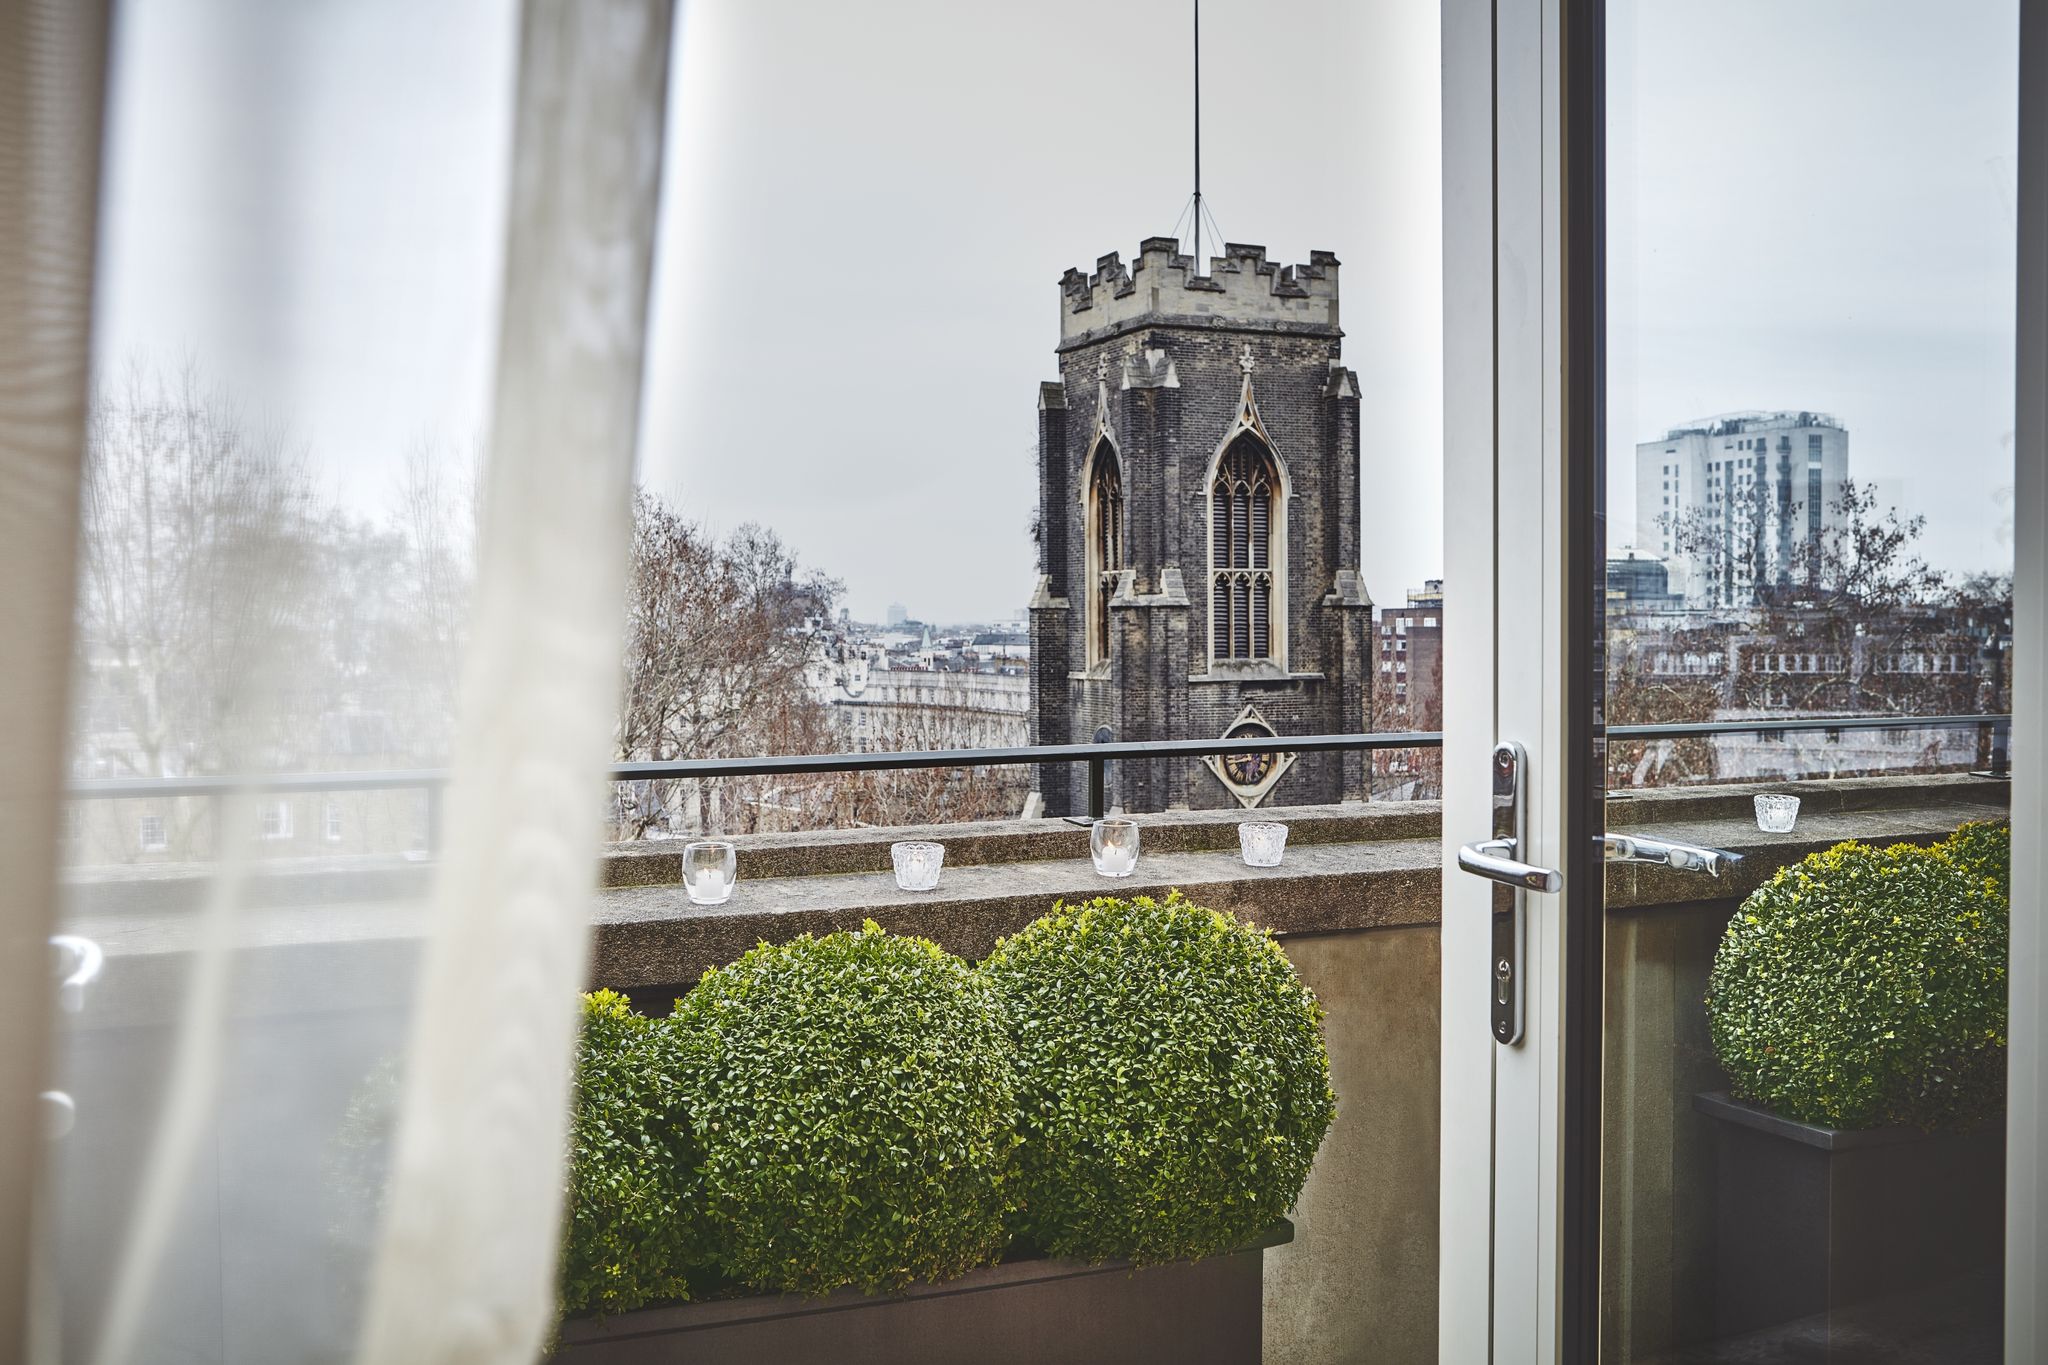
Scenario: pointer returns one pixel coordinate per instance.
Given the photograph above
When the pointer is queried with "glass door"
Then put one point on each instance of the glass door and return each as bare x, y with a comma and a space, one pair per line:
1738, 483
1806, 629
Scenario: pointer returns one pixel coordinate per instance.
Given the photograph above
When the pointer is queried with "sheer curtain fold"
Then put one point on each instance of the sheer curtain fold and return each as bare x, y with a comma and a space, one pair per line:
465, 1270
52, 72
321, 1090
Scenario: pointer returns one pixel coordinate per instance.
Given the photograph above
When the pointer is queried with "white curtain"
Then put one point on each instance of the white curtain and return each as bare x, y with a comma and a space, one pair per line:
353, 468
51, 68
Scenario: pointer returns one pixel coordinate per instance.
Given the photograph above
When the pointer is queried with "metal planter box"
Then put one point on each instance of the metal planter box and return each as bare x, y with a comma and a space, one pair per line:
1203, 1312
1810, 1221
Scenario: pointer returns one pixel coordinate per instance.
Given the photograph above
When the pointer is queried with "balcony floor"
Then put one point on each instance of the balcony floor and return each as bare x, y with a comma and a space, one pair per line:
1955, 1323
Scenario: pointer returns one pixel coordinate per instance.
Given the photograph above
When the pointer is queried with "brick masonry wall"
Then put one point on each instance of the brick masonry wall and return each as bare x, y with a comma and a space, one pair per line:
1168, 393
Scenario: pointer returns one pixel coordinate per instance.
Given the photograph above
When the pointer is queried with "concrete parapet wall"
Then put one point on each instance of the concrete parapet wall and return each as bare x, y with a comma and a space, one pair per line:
1356, 904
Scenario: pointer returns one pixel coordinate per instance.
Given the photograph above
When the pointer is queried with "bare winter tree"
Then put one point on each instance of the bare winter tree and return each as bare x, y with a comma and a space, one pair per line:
233, 620
1730, 547
1411, 774
1867, 558
433, 513
719, 634
1860, 624
1849, 635
1671, 678
1428, 764
1981, 607
947, 713
197, 559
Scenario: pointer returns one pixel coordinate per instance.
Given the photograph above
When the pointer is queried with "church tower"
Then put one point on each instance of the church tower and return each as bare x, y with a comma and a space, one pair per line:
1198, 529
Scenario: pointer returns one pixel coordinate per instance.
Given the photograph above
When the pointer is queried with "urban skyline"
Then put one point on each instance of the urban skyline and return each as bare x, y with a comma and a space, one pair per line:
1877, 289
677, 662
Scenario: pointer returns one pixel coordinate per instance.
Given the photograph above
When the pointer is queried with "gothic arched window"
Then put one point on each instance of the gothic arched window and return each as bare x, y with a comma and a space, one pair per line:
1242, 556
1105, 547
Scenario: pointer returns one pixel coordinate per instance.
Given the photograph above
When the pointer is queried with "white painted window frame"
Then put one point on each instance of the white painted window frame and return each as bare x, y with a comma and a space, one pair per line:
2026, 1189
1501, 1154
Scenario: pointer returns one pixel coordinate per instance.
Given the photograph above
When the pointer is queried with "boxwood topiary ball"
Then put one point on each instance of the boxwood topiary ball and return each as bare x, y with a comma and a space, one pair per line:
1983, 848
1172, 1080
1865, 987
857, 1113
631, 1235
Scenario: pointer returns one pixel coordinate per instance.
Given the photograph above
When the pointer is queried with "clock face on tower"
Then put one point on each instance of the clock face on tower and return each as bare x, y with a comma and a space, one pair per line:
1250, 776
1247, 770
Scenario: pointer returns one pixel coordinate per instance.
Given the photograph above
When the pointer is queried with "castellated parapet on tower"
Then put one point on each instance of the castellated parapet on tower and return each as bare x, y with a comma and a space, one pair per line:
1242, 289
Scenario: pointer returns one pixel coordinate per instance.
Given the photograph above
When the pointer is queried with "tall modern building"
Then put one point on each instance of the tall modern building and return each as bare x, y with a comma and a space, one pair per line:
1742, 501
1199, 528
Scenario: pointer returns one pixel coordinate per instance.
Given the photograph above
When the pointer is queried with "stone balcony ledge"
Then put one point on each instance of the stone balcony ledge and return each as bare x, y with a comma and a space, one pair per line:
1348, 868
990, 842
652, 935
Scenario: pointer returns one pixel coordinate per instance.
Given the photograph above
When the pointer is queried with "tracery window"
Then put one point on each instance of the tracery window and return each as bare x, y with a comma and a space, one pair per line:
1105, 548
1241, 551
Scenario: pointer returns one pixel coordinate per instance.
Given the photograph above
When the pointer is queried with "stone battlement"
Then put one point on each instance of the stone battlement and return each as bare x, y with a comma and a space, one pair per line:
1241, 288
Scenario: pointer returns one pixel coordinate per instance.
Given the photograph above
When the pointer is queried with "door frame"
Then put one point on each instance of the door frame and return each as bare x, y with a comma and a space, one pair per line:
2026, 1188
1465, 1153
1523, 182
1524, 374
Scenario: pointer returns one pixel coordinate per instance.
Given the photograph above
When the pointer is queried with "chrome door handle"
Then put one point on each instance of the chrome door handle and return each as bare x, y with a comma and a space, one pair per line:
60, 1114
1494, 860
85, 960
1632, 848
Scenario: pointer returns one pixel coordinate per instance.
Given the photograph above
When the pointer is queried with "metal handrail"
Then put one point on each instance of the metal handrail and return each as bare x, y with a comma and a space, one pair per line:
256, 784
1696, 729
1028, 754
1096, 756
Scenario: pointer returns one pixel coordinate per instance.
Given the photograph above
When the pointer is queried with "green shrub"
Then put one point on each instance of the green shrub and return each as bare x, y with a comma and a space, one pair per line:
1983, 848
1172, 1081
857, 1113
631, 1236
1865, 987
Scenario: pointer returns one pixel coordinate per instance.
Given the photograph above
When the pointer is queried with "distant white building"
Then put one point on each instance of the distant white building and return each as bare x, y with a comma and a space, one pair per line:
1001, 646
934, 709
898, 613
839, 665
1748, 756
1767, 484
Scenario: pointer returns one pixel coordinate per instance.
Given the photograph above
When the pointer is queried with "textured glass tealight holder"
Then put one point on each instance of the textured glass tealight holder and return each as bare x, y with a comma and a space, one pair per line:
709, 870
1776, 812
917, 864
1262, 842
1113, 843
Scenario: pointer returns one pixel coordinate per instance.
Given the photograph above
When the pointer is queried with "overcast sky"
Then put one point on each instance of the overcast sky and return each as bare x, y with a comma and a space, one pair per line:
1811, 207
869, 207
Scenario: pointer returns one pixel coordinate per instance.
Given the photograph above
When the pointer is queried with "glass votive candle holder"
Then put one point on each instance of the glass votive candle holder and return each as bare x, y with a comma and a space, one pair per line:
1113, 844
1262, 842
1776, 812
917, 864
709, 870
